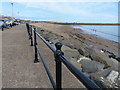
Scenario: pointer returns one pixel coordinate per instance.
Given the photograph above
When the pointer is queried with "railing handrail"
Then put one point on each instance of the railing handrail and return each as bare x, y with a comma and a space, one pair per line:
46, 42
60, 58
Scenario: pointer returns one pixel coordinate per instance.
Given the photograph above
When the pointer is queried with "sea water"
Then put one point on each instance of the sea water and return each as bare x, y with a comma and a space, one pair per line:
110, 32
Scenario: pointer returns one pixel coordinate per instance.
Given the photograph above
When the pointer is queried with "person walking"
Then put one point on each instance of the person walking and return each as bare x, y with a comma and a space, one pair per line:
2, 28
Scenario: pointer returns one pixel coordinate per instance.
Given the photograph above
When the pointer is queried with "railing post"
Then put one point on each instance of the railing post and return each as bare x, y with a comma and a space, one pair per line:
58, 65
28, 29
31, 35
35, 45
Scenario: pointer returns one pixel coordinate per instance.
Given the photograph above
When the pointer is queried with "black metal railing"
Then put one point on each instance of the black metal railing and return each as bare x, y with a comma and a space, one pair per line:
59, 59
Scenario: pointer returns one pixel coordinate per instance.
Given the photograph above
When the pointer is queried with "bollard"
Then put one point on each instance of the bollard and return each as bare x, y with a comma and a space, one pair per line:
35, 45
29, 31
58, 53
31, 36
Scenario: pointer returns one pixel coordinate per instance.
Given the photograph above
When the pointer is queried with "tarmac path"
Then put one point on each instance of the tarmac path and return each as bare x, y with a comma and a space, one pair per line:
18, 69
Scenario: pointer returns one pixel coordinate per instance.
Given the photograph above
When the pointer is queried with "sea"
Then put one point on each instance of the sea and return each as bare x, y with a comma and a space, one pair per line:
110, 32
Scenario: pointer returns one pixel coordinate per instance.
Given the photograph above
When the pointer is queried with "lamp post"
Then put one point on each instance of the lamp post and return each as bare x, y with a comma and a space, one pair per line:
12, 9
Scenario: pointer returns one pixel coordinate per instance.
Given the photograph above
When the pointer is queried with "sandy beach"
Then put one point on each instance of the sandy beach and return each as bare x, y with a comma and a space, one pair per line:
80, 37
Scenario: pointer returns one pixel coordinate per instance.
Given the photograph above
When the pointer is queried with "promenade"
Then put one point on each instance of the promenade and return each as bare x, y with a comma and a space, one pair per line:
18, 69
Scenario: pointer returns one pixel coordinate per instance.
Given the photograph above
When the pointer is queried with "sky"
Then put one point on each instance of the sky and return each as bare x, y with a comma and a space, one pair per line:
97, 11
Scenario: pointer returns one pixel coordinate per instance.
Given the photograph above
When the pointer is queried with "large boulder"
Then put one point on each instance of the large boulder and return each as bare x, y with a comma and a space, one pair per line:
112, 76
83, 58
91, 66
84, 50
98, 56
70, 53
106, 78
76, 64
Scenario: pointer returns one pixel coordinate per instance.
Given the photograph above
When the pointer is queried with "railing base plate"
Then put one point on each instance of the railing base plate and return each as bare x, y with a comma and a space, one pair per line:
36, 61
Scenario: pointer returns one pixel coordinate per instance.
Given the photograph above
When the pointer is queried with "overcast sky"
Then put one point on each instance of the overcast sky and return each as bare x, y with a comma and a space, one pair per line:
64, 11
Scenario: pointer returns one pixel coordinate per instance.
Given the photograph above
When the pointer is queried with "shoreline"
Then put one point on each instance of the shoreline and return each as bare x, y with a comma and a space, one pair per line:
74, 23
98, 33
100, 38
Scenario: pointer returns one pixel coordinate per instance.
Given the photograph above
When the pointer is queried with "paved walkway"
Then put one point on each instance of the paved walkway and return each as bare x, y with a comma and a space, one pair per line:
18, 69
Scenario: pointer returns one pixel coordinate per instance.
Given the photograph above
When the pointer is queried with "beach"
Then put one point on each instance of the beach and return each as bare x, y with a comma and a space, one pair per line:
80, 37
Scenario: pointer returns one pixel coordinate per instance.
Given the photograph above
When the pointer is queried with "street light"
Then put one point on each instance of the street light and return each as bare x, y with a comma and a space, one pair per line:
12, 9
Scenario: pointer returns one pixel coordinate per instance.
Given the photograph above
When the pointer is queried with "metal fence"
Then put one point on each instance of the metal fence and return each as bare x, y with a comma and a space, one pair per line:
59, 59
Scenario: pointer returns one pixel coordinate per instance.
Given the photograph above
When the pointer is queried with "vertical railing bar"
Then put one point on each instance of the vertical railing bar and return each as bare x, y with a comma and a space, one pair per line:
58, 75
47, 70
58, 66
31, 35
35, 47
28, 29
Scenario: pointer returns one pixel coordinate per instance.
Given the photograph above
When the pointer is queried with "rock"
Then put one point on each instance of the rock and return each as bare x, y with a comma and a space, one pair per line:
91, 66
50, 37
118, 59
112, 56
104, 59
96, 55
78, 65
83, 58
119, 78
113, 76
105, 78
83, 52
70, 53
102, 73
69, 45
113, 63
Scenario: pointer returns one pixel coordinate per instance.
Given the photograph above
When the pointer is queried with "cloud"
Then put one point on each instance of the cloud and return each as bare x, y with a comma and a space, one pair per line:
95, 10
106, 11
83, 9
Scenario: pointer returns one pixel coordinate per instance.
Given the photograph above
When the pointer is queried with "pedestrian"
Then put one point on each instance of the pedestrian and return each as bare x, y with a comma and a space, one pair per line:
2, 28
